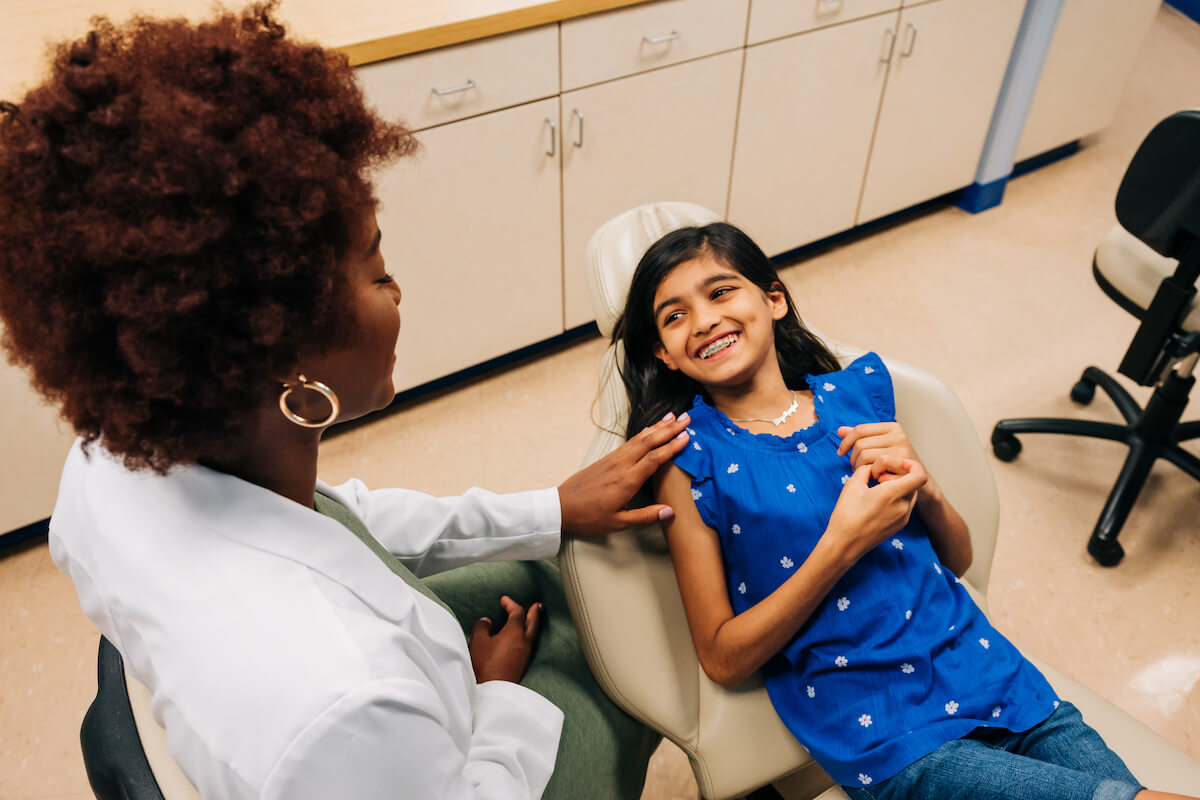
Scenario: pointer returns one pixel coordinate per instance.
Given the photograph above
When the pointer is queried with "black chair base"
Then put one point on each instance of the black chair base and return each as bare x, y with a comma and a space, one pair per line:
1151, 433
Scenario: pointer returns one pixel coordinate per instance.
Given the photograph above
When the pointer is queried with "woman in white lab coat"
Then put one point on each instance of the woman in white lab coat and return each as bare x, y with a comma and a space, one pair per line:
190, 267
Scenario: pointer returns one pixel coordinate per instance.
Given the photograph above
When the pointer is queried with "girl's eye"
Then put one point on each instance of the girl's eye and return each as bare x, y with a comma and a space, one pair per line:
721, 291
672, 317
388, 278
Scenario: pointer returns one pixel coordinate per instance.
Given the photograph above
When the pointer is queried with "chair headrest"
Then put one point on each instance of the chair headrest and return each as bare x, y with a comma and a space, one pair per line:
1159, 198
618, 245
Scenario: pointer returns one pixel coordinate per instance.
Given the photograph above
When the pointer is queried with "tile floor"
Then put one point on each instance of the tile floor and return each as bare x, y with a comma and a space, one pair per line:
1000, 305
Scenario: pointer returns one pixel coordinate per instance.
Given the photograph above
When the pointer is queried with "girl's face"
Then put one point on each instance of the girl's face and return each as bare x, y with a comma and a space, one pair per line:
361, 372
714, 325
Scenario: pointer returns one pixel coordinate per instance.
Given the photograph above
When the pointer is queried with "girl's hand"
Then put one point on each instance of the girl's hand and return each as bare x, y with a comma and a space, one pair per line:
593, 500
867, 515
867, 444
505, 655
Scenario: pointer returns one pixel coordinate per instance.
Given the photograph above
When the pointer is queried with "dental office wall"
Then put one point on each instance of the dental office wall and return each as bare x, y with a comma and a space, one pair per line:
617, 126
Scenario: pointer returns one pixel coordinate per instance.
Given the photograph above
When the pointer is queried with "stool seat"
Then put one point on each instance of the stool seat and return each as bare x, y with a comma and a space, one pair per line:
1127, 266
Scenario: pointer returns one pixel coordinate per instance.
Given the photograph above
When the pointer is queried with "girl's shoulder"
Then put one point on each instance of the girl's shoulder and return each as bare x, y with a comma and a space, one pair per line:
866, 376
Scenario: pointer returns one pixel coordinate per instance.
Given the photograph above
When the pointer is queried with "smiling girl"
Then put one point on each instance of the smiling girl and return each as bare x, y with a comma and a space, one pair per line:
797, 551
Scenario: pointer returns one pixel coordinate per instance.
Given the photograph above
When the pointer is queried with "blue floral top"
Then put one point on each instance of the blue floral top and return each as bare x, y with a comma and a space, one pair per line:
897, 660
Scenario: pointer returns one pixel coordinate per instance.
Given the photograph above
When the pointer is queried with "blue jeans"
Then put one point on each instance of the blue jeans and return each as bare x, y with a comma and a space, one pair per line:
1060, 759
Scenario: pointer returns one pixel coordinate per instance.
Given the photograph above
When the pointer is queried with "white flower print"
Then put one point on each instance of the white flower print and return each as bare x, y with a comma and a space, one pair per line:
844, 479
730, 431
841, 661
786, 563
908, 614
802, 447
736, 529
952, 707
732, 468
868, 370
864, 779
1056, 704
691, 431
696, 446
985, 644
843, 603
865, 720
939, 569
810, 691
907, 669
829, 387
957, 579
896, 543
697, 494
822, 399
742, 587
952, 627
995, 712
791, 488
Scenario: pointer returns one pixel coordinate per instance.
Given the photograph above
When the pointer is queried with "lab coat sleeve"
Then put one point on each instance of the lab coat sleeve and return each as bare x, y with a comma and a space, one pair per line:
432, 534
389, 739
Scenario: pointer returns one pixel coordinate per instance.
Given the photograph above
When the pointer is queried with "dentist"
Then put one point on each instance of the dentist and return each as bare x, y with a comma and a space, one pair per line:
190, 269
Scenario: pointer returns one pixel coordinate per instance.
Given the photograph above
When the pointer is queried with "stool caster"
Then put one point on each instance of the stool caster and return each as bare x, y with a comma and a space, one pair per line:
1005, 446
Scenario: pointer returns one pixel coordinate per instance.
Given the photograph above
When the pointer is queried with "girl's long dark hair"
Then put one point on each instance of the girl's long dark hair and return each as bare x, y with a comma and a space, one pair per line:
655, 390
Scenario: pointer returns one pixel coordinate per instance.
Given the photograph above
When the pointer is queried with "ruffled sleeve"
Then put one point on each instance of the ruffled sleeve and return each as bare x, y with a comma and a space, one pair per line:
696, 461
876, 381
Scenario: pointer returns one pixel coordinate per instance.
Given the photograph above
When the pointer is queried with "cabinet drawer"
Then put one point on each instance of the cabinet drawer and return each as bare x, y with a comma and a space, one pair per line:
427, 89
772, 19
616, 43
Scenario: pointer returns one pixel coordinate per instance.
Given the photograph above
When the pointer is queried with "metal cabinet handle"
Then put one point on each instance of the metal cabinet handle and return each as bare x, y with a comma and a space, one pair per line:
553, 137
889, 44
470, 84
579, 140
660, 39
912, 41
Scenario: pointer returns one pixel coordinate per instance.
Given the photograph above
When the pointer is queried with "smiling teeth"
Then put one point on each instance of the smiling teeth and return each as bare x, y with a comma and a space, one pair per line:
718, 345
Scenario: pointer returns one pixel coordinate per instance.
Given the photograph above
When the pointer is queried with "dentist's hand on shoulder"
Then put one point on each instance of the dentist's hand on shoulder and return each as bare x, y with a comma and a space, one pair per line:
594, 499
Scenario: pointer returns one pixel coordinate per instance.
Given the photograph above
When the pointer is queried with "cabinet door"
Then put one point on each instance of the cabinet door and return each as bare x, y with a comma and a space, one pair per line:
36, 442
471, 232
947, 67
808, 109
1092, 53
662, 135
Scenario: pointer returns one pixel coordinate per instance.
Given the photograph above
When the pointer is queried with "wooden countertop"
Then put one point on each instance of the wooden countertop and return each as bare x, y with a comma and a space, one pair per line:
366, 30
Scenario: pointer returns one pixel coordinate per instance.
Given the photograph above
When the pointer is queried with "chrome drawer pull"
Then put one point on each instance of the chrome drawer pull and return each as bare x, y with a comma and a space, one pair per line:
579, 141
470, 84
553, 137
889, 44
660, 39
912, 42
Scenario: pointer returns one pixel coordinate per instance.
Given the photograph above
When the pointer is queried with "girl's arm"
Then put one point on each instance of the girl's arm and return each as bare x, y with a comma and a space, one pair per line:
731, 648
948, 531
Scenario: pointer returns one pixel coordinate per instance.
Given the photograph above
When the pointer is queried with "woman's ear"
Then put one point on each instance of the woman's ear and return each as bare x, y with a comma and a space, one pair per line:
778, 301
662, 355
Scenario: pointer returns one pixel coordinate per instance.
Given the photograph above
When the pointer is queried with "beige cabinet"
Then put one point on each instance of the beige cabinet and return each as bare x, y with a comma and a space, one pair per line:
661, 135
774, 19
947, 66
471, 233
35, 444
1092, 53
808, 110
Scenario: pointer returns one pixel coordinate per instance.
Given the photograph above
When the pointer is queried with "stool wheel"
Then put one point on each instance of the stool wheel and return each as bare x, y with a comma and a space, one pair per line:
1005, 445
1083, 391
1107, 552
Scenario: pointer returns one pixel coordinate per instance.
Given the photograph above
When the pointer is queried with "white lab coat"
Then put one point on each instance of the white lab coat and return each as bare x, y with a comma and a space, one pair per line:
285, 660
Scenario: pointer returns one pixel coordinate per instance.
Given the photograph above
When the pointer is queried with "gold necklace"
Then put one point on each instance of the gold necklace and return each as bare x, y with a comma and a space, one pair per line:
778, 420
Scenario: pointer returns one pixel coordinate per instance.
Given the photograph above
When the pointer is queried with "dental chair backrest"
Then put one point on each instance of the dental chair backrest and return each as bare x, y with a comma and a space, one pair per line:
622, 589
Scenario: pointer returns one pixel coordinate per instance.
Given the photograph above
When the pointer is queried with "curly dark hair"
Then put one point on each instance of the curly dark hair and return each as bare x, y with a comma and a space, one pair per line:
175, 198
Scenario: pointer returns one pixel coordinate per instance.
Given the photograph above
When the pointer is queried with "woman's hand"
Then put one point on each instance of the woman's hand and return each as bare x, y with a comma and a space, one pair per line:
593, 500
866, 515
872, 441
505, 655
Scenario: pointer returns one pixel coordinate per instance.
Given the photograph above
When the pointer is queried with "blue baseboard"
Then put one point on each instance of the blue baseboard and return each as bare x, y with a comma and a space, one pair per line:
982, 196
1042, 159
1190, 8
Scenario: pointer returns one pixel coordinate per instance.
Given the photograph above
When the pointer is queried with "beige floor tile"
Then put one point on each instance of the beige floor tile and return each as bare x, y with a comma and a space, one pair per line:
1000, 305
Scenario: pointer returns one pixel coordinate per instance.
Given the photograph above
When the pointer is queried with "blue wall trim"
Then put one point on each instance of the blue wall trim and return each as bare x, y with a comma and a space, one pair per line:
982, 196
1189, 7
1042, 159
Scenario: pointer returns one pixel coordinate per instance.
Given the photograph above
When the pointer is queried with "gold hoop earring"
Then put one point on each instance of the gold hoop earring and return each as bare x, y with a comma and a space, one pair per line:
320, 389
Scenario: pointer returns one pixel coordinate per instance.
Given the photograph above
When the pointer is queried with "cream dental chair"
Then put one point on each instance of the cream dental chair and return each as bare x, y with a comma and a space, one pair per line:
626, 604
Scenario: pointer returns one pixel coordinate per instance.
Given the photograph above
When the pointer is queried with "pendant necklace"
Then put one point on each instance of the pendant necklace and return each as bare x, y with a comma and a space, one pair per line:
778, 420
